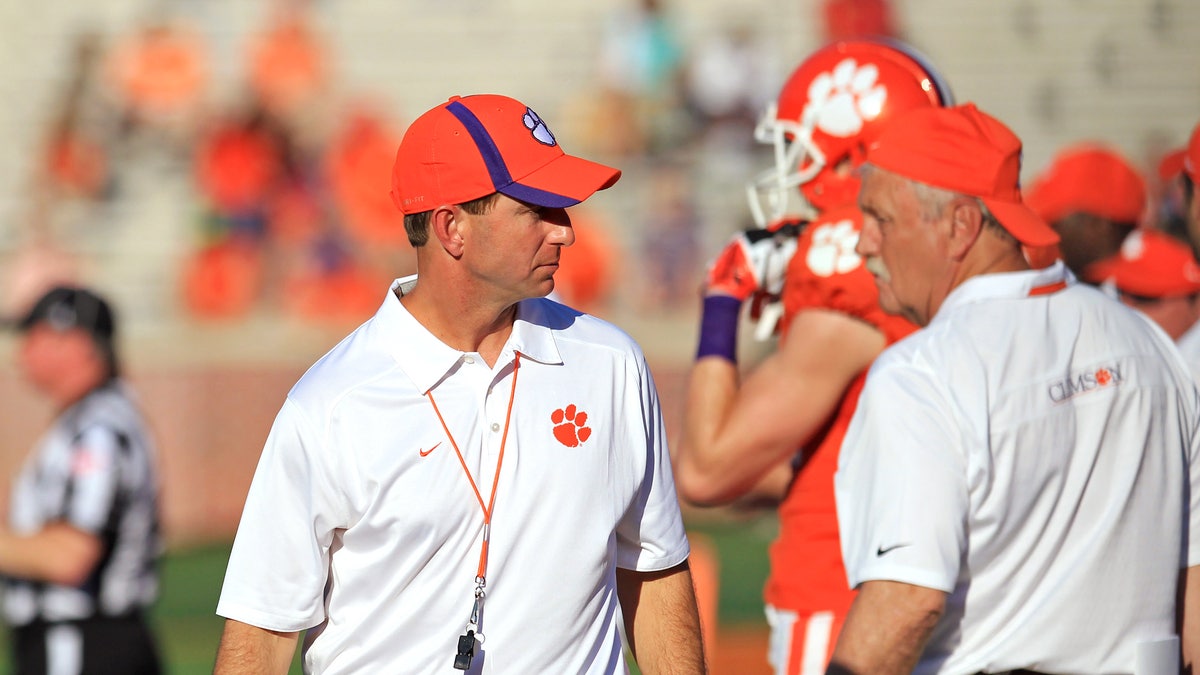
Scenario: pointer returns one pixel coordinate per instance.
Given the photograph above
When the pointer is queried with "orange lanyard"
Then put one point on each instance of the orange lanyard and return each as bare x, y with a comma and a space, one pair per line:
489, 508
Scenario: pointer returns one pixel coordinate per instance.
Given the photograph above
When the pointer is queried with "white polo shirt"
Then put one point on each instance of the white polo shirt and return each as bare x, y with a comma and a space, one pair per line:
1189, 346
361, 524
1028, 453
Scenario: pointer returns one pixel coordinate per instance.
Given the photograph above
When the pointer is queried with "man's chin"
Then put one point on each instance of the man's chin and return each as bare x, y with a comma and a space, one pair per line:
546, 287
887, 301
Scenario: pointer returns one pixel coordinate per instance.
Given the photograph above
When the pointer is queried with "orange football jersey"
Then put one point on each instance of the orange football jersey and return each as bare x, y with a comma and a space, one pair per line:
807, 573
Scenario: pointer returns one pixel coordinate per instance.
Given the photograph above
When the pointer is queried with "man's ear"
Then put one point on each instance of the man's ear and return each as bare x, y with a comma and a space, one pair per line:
966, 224
445, 224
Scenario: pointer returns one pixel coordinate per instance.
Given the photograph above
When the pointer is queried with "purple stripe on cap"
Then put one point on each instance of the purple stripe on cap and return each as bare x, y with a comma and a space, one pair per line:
483, 142
533, 195
498, 171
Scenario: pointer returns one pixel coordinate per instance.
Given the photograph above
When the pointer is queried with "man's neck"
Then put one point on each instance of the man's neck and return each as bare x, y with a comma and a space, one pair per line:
463, 322
989, 255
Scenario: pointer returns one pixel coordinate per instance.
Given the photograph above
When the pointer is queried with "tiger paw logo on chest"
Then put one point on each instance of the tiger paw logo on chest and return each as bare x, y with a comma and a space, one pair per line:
1081, 383
832, 249
570, 426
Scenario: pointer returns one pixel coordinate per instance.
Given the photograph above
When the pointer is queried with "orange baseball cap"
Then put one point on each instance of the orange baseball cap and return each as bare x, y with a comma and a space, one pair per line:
472, 146
1191, 161
1171, 164
1152, 264
1089, 178
968, 151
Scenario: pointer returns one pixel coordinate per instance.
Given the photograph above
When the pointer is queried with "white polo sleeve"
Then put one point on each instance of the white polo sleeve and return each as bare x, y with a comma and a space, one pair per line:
901, 488
1192, 553
278, 566
650, 535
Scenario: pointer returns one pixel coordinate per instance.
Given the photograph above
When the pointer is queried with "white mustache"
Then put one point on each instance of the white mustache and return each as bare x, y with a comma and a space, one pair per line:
875, 266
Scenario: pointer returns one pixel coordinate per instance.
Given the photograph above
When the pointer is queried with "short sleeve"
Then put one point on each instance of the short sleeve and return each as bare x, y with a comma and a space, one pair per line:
278, 566
901, 483
1193, 540
650, 535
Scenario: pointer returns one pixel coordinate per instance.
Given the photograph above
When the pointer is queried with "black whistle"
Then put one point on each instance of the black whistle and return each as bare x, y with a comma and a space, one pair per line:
466, 651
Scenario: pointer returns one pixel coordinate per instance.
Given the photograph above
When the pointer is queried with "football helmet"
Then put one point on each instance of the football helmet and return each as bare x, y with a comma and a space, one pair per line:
835, 103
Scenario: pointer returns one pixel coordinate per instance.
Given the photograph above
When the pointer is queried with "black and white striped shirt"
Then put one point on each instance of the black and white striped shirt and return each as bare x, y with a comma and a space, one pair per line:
95, 470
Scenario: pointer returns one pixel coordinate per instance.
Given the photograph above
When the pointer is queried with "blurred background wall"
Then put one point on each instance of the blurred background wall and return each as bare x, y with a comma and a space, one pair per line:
219, 168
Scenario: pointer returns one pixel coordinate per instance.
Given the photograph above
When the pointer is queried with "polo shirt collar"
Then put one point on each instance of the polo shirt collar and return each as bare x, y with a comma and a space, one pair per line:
1008, 285
531, 336
427, 360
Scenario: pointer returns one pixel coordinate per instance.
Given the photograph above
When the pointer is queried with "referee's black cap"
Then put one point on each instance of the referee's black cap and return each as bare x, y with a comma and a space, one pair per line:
73, 307
66, 307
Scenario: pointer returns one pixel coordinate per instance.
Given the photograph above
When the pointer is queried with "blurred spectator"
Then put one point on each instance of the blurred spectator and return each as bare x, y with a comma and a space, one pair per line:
358, 168
296, 214
295, 218
222, 279
1191, 175
75, 164
640, 68
332, 285
1093, 197
288, 63
728, 81
158, 75
1157, 274
1170, 213
83, 541
670, 244
849, 19
238, 163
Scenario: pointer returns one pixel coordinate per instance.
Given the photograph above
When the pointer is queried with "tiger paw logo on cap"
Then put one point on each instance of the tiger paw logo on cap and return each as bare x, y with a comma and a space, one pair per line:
846, 97
541, 132
472, 146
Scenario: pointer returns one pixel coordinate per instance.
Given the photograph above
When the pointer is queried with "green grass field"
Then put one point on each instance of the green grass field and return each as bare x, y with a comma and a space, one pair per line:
191, 582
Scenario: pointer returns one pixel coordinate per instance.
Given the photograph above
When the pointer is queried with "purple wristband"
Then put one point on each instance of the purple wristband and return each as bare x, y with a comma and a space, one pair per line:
719, 327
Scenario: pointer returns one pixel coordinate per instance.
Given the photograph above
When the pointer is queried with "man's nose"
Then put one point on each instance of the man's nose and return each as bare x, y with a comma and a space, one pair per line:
562, 232
868, 240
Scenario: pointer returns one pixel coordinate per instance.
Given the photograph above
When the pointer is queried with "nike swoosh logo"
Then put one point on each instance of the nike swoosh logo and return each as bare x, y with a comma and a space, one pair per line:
881, 551
425, 453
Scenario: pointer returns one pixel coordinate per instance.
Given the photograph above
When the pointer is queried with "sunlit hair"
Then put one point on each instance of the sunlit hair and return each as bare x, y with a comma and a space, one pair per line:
934, 200
416, 225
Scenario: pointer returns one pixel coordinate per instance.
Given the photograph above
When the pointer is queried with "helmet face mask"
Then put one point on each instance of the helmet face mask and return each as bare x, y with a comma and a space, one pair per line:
797, 161
832, 106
